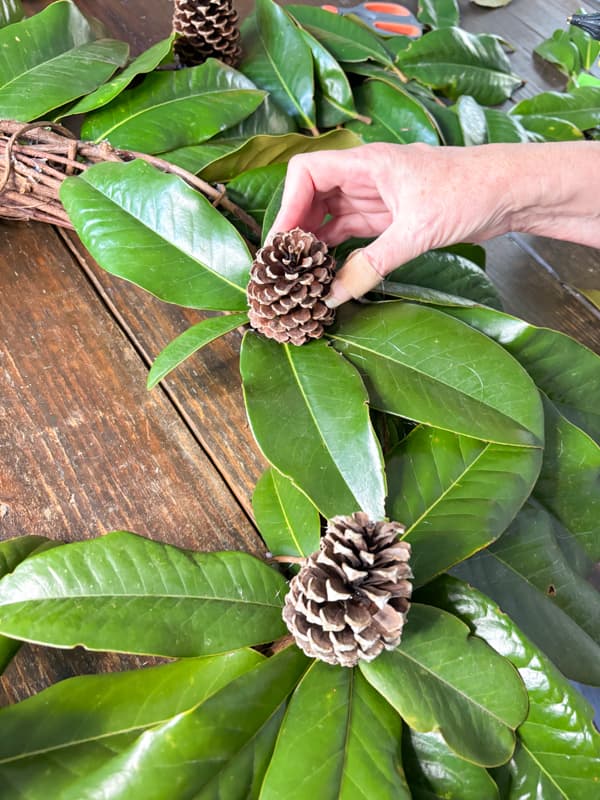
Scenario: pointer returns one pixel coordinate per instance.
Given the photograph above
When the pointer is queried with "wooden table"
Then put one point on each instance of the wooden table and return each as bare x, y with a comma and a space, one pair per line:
85, 449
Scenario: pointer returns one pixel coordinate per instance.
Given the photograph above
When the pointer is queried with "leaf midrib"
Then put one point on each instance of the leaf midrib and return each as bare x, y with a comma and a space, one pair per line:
172, 101
152, 597
312, 416
286, 518
414, 368
146, 225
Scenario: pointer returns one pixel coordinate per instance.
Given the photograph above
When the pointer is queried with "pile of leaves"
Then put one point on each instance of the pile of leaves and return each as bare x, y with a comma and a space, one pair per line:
426, 404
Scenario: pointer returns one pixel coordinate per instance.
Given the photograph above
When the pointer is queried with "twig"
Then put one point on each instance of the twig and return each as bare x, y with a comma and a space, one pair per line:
37, 157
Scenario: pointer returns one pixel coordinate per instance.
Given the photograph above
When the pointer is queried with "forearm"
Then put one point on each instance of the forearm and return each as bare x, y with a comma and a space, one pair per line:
554, 190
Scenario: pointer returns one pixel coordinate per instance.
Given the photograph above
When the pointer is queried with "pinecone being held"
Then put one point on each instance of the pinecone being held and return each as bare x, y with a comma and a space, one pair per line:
350, 600
207, 29
288, 281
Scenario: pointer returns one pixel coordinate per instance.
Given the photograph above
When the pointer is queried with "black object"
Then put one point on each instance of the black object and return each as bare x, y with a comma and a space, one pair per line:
590, 23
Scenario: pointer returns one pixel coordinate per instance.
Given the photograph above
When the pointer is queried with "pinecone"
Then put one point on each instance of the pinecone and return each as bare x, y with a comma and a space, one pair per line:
288, 281
350, 600
207, 29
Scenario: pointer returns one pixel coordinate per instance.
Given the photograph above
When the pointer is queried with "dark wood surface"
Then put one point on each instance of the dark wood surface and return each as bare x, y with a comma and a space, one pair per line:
84, 448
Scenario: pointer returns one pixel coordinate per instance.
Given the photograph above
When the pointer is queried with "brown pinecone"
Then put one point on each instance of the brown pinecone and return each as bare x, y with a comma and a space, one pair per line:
350, 600
288, 281
207, 29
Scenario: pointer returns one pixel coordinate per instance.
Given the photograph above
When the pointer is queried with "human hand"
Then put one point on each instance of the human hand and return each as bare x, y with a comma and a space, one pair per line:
411, 197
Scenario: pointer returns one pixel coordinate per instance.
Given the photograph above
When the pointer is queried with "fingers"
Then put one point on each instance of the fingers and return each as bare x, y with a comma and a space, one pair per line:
365, 268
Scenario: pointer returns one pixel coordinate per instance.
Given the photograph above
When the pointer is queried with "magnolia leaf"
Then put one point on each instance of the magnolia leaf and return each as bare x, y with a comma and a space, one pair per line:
253, 190
197, 156
420, 294
434, 771
272, 210
395, 116
343, 37
527, 574
565, 370
561, 51
451, 272
175, 108
12, 552
279, 59
50, 59
129, 594
207, 748
335, 103
473, 123
338, 741
439, 13
474, 697
558, 753
327, 449
287, 520
76, 726
458, 62
417, 366
503, 128
189, 342
455, 494
260, 151
155, 231
579, 107
10, 11
587, 45
146, 62
584, 79
549, 129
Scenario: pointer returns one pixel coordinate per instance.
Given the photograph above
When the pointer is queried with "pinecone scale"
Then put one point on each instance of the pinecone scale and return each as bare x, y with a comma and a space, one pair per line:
289, 280
207, 29
350, 600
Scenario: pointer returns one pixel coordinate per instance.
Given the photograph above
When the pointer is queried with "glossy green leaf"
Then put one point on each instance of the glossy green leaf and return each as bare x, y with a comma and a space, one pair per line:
421, 294
503, 128
155, 231
455, 494
260, 151
253, 190
343, 37
565, 370
549, 129
558, 754
527, 574
76, 726
458, 62
272, 210
197, 156
126, 593
561, 51
570, 479
471, 117
417, 366
175, 108
441, 678
12, 552
50, 59
186, 756
287, 520
10, 11
339, 741
332, 454
146, 62
585, 79
434, 771
579, 107
450, 272
335, 103
588, 47
278, 59
395, 116
439, 13
189, 342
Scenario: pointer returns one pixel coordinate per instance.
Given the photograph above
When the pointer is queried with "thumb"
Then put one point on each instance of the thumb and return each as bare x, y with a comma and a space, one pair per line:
365, 268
